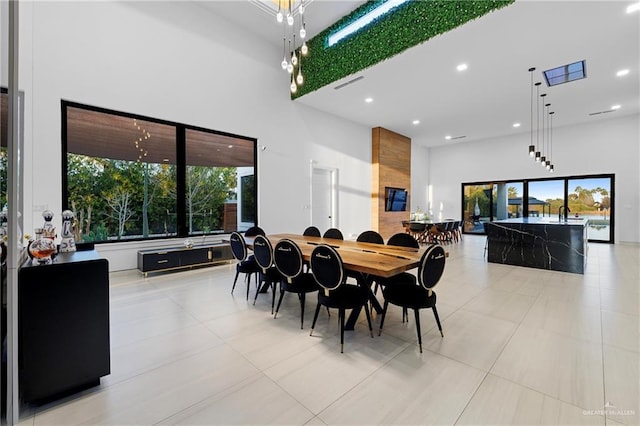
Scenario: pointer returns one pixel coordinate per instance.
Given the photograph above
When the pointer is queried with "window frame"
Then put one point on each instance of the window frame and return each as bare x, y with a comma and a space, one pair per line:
182, 228
525, 196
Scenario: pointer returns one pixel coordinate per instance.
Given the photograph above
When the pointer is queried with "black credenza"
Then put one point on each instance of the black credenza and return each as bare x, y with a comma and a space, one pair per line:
183, 257
63, 325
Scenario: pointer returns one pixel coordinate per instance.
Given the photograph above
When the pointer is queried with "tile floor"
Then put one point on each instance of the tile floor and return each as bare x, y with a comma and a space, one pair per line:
521, 346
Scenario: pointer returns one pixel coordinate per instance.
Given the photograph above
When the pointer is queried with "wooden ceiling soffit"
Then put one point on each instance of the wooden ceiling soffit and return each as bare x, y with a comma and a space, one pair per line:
105, 135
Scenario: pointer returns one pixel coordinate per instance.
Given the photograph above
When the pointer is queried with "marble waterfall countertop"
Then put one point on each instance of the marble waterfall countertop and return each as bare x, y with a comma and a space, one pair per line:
545, 243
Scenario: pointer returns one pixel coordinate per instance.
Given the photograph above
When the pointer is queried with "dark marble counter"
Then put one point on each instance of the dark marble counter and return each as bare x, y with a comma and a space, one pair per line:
545, 243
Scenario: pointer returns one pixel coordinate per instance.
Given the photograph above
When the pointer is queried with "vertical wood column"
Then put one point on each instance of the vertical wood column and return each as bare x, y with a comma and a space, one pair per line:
391, 167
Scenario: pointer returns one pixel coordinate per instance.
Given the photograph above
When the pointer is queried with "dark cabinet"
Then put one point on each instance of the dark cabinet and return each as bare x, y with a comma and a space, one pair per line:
182, 257
63, 324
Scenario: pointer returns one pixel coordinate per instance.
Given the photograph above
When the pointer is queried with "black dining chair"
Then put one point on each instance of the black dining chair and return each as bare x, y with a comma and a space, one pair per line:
288, 259
269, 276
370, 237
246, 264
335, 292
419, 295
403, 240
312, 231
399, 240
418, 231
334, 233
366, 237
253, 231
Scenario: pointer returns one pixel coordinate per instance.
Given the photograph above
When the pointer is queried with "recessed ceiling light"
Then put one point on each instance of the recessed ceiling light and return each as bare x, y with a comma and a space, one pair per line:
622, 72
230, 146
462, 67
448, 137
614, 107
368, 100
416, 122
516, 124
633, 7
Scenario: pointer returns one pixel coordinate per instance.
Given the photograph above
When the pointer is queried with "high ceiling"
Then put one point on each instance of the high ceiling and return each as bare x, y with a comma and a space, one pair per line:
485, 100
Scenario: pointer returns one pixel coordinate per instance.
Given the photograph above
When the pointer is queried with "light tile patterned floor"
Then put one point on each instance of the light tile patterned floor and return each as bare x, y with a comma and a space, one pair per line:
521, 346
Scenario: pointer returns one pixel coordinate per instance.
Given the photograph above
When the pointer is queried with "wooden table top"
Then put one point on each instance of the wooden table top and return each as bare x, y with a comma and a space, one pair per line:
368, 258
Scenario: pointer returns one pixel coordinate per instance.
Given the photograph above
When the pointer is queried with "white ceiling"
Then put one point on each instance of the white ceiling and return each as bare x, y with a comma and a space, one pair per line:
494, 92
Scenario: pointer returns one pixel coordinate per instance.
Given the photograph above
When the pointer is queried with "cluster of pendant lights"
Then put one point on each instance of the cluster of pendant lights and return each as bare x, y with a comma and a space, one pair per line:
291, 62
537, 151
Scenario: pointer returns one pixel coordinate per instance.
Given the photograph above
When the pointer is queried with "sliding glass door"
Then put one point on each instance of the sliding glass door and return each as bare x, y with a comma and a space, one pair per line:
592, 198
589, 196
545, 197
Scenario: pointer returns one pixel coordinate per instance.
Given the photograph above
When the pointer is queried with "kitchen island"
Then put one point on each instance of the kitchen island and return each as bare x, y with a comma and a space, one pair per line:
545, 243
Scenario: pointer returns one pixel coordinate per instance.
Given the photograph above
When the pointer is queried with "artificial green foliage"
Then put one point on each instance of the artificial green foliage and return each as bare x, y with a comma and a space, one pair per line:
406, 26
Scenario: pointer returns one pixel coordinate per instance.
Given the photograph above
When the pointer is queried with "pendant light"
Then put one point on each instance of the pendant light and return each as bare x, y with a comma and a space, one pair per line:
292, 58
537, 155
532, 148
550, 168
543, 158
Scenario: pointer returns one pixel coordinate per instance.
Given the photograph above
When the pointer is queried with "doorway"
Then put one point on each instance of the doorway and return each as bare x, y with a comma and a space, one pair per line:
324, 197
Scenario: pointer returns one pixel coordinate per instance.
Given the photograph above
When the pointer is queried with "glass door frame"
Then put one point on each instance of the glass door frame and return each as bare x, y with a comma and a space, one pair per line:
525, 197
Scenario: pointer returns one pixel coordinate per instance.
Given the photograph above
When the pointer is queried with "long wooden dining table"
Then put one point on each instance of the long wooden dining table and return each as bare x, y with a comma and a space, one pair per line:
367, 259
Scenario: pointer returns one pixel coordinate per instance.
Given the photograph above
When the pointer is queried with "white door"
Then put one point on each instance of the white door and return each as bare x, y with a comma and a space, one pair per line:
322, 196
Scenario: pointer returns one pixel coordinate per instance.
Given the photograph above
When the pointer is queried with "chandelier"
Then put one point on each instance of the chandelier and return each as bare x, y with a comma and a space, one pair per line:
537, 150
294, 34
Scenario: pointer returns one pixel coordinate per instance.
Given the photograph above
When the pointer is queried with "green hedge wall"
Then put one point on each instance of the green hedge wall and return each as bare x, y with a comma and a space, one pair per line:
410, 24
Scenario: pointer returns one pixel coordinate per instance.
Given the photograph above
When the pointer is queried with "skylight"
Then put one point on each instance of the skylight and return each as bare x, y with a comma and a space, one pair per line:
363, 21
565, 73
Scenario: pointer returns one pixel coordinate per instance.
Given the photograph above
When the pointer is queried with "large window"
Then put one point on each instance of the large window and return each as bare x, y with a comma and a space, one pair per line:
585, 196
131, 177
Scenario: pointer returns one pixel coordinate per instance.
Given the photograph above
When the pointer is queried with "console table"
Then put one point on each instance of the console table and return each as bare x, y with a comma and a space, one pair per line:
165, 259
63, 324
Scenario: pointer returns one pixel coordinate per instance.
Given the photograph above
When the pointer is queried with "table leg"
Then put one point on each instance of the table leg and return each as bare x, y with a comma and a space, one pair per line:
353, 316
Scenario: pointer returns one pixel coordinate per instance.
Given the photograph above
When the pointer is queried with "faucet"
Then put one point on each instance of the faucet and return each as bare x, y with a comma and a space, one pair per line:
566, 210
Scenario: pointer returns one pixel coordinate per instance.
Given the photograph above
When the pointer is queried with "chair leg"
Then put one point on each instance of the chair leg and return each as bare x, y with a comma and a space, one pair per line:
302, 299
274, 285
315, 317
341, 319
279, 301
368, 313
435, 314
234, 281
247, 278
257, 291
384, 313
417, 312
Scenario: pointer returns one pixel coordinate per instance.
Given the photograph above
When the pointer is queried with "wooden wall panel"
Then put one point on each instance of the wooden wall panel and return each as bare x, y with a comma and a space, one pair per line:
391, 165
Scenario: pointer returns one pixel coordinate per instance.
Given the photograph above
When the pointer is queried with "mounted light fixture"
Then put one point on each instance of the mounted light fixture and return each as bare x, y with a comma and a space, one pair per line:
543, 158
292, 56
532, 148
538, 155
541, 151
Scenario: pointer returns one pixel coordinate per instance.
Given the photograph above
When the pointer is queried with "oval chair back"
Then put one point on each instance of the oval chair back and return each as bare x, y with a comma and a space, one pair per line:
370, 237
431, 267
288, 259
334, 233
403, 240
263, 252
238, 246
253, 231
327, 267
312, 231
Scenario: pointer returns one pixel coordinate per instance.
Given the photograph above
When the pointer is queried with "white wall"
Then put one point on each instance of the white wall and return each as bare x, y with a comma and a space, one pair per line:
419, 177
176, 61
603, 146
